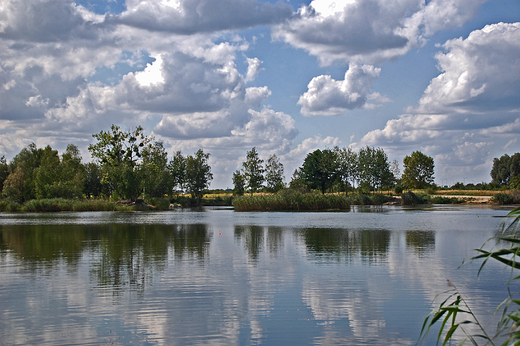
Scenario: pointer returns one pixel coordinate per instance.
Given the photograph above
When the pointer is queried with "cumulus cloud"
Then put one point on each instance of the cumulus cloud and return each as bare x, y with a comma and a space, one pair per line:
370, 31
474, 99
326, 96
479, 73
188, 17
253, 69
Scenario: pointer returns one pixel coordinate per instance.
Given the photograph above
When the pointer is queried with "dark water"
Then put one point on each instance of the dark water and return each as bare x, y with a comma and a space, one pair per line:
364, 277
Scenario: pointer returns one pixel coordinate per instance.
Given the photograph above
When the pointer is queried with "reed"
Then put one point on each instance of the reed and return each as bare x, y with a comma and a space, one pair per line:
291, 201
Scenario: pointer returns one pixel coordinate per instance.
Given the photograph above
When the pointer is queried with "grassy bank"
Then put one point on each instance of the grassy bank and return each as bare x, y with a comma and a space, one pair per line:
291, 201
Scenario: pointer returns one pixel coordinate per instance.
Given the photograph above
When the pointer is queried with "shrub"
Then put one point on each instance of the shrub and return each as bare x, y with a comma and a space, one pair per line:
410, 198
398, 189
502, 198
10, 206
379, 199
360, 200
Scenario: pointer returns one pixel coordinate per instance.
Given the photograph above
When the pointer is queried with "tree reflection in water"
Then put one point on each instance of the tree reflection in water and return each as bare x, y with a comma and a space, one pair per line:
121, 254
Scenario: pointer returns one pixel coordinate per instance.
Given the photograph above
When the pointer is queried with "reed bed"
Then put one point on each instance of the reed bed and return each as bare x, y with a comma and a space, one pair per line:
291, 202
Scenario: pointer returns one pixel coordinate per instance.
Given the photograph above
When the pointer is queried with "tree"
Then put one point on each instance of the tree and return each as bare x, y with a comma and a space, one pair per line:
505, 168
274, 177
155, 174
93, 176
239, 183
4, 171
418, 171
383, 176
253, 171
347, 166
177, 171
320, 169
119, 154
27, 160
47, 174
198, 174
14, 186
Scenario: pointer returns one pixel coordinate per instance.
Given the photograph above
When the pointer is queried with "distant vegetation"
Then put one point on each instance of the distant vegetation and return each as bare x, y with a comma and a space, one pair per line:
129, 168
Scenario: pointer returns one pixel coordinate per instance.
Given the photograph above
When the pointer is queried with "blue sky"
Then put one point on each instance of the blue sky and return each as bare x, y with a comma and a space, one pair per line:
287, 77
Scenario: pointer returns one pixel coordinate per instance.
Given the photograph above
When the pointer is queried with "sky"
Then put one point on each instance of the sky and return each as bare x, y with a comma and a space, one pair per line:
285, 77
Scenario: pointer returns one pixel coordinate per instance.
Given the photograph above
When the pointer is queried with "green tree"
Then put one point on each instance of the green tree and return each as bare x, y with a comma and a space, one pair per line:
505, 168
320, 169
253, 171
27, 160
274, 177
383, 176
239, 183
14, 185
119, 154
93, 177
155, 173
198, 174
177, 171
418, 171
4, 171
72, 173
47, 174
347, 166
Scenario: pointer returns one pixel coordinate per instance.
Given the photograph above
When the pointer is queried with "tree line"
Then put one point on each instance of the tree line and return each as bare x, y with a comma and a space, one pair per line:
126, 165
336, 169
129, 164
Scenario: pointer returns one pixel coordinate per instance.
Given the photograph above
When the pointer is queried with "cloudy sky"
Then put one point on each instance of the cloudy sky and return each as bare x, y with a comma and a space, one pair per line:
286, 77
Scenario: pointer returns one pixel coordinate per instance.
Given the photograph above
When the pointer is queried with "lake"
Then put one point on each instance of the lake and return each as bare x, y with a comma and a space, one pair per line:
215, 276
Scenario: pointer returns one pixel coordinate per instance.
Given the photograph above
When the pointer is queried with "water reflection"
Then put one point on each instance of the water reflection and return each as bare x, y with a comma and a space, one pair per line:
420, 242
233, 278
370, 245
120, 254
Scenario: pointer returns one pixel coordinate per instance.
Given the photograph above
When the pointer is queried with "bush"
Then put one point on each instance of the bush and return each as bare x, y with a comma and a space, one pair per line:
10, 206
506, 198
360, 200
398, 189
410, 198
379, 199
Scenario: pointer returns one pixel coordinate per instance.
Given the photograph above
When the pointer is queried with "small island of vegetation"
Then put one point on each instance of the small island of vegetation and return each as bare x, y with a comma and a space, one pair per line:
131, 171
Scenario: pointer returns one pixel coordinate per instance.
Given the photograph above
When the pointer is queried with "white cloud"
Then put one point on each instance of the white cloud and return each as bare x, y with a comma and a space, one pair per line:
187, 17
469, 109
370, 31
326, 96
253, 69
479, 73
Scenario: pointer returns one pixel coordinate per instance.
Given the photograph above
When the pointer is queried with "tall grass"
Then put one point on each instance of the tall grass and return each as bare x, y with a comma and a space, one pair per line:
291, 201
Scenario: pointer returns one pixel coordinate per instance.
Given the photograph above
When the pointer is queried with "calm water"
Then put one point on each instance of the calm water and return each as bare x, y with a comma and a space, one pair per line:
364, 277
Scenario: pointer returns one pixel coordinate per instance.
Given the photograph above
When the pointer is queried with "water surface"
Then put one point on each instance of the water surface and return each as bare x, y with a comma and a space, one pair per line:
364, 277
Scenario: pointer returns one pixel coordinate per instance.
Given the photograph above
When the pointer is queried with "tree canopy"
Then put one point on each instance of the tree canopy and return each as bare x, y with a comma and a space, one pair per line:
505, 168
418, 171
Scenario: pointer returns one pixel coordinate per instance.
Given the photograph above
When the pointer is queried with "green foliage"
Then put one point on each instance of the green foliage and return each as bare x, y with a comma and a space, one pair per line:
177, 172
274, 177
347, 166
239, 183
319, 170
6, 205
198, 174
119, 154
253, 171
410, 198
508, 329
506, 198
360, 199
418, 171
505, 168
291, 200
